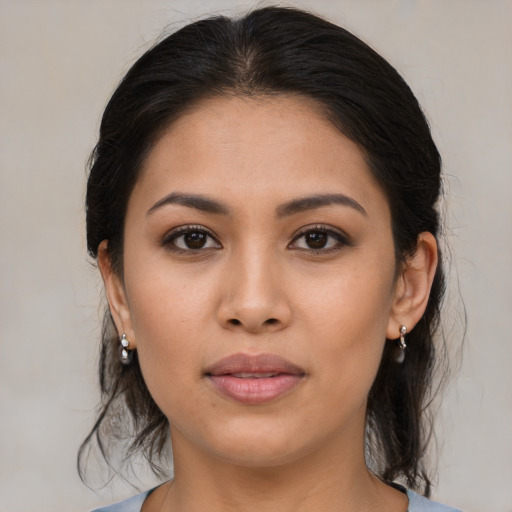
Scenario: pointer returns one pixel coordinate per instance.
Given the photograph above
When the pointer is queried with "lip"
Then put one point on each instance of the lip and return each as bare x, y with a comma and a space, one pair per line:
254, 379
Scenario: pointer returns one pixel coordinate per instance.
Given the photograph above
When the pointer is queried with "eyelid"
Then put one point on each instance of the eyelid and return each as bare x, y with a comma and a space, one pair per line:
174, 233
341, 236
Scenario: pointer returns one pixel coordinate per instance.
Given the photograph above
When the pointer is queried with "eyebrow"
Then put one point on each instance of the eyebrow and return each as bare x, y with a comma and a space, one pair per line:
208, 205
202, 203
318, 201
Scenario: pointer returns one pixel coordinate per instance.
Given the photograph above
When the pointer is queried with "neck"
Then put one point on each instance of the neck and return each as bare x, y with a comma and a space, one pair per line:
329, 479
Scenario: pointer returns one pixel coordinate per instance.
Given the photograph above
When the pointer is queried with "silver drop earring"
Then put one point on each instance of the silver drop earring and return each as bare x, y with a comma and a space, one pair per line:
400, 356
403, 332
126, 355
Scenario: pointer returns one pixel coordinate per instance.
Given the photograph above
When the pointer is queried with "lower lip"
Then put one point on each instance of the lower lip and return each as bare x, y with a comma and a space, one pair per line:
255, 391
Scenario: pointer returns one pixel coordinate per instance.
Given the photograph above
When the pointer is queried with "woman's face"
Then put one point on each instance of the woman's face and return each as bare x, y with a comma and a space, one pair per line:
259, 280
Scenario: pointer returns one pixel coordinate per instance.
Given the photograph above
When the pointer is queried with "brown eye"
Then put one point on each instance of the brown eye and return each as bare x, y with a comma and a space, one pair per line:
316, 239
190, 239
320, 239
195, 240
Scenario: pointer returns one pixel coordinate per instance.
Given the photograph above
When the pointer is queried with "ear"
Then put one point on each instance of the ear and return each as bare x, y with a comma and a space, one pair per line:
116, 294
413, 286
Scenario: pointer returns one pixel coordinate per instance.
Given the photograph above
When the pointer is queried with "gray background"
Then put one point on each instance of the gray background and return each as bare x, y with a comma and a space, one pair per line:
59, 62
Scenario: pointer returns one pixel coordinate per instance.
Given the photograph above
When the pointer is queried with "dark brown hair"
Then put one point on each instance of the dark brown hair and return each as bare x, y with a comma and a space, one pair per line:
274, 51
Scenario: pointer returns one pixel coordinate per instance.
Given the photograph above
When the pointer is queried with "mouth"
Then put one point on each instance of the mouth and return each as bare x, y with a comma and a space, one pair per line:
254, 379
248, 375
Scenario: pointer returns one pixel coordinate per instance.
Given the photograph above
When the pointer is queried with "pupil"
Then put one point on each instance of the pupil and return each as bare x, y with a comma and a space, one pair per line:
316, 240
195, 240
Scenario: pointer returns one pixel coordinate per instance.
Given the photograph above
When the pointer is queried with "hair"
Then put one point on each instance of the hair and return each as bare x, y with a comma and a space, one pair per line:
275, 51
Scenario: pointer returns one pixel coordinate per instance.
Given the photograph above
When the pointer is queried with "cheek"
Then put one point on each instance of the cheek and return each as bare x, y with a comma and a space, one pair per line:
350, 327
168, 317
353, 302
165, 301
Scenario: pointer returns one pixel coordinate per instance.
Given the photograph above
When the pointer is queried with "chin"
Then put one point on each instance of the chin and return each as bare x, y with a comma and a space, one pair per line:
260, 447
257, 457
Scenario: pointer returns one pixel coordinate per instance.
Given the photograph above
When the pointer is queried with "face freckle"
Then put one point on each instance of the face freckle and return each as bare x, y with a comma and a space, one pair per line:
257, 230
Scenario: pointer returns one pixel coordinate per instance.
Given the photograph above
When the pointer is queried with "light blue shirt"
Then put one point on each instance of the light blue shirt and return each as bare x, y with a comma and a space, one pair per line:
417, 503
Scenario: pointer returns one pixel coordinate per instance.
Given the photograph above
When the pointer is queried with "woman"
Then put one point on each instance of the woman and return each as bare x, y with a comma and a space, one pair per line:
262, 207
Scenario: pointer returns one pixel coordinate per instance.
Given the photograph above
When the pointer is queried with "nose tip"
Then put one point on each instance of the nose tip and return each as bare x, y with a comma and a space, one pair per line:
253, 291
254, 307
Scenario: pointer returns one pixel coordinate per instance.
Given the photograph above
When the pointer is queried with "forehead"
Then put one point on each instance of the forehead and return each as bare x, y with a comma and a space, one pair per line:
273, 146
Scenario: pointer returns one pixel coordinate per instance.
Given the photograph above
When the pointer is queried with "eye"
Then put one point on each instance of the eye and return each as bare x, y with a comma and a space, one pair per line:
190, 238
319, 239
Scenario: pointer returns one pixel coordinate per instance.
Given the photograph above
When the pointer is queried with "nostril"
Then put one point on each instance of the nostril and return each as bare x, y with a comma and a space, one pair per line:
269, 321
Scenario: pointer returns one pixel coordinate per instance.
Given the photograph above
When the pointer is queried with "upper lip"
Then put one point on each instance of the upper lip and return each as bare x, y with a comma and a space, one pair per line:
248, 363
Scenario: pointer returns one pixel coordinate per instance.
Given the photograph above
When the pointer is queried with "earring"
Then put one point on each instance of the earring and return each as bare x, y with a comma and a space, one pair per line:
126, 355
403, 332
400, 352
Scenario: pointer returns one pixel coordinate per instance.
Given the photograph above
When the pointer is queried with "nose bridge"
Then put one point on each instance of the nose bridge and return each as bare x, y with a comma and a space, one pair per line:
255, 298
256, 277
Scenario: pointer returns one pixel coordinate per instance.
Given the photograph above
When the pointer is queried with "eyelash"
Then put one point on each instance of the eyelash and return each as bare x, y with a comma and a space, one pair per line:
169, 240
342, 240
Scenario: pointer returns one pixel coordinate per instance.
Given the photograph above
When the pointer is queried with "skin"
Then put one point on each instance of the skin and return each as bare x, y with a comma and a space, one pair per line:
257, 286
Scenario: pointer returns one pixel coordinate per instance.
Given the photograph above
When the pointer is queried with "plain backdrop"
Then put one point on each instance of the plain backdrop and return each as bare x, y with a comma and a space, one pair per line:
59, 63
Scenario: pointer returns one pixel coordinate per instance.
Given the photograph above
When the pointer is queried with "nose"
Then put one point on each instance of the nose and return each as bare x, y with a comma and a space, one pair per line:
253, 296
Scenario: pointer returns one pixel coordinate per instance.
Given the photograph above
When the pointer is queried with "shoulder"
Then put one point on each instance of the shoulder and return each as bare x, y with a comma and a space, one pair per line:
133, 504
419, 503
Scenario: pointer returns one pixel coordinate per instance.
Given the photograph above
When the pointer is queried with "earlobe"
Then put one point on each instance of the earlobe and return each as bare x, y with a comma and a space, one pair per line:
413, 286
116, 294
